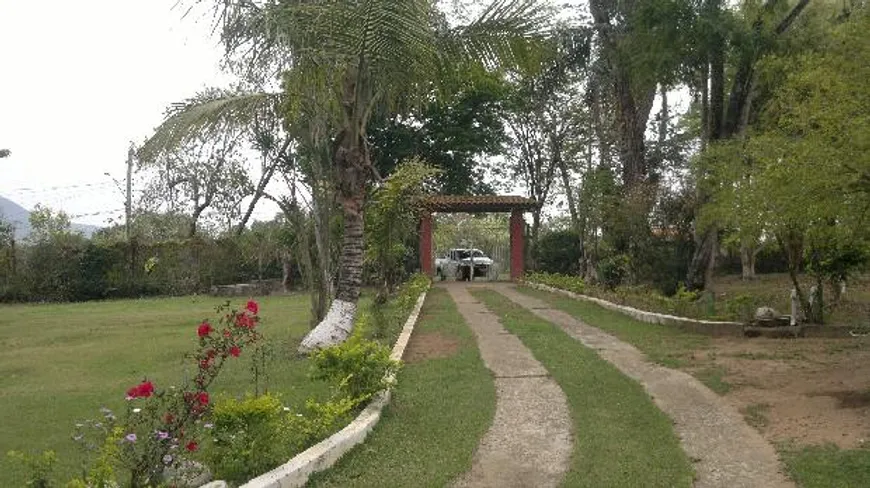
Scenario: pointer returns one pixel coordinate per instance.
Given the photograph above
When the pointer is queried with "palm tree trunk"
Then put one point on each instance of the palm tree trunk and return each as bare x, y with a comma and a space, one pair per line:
352, 163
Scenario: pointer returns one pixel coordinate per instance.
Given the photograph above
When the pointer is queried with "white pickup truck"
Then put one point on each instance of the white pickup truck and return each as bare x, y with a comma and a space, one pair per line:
459, 263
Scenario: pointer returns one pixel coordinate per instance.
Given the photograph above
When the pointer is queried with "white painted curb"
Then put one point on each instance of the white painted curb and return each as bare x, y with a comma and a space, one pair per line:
637, 314
324, 454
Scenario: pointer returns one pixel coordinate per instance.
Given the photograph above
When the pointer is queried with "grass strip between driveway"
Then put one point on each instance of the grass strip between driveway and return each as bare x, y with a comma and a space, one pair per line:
664, 345
621, 438
440, 409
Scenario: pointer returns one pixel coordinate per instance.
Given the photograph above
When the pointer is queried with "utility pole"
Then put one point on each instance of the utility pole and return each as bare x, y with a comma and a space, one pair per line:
128, 206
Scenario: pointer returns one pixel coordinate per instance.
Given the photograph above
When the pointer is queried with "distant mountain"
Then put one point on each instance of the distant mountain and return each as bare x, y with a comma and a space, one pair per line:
20, 219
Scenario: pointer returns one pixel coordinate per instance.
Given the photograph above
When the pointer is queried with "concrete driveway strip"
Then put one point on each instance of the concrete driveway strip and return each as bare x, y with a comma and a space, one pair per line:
728, 452
529, 443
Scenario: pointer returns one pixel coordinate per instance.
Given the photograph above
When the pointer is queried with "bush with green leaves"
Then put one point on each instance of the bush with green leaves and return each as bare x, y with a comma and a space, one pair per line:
558, 252
39, 467
358, 367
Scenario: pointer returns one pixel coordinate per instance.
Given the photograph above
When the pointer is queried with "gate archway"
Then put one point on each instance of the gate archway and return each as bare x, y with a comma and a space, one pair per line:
515, 205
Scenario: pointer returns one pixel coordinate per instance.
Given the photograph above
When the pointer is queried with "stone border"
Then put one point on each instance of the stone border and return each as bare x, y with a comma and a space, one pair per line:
711, 327
325, 453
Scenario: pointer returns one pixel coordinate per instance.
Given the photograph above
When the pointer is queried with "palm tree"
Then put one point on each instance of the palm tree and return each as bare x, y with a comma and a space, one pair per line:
346, 59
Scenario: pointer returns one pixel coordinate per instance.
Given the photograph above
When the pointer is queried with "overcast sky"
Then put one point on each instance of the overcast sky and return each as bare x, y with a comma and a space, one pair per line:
81, 79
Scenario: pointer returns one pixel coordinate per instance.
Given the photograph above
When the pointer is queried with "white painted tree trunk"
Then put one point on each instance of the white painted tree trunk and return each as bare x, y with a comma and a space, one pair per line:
334, 329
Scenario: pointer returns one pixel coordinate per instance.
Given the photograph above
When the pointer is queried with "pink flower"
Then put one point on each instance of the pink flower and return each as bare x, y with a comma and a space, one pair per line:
252, 307
204, 329
235, 351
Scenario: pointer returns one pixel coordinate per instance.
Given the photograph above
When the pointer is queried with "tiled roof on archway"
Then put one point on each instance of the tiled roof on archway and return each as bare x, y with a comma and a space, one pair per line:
479, 203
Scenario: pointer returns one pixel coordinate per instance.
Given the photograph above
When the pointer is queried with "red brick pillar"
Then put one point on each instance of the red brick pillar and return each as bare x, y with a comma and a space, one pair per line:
517, 227
426, 263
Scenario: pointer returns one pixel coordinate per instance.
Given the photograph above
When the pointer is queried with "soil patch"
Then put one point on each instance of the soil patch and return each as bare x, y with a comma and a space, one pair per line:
430, 345
816, 391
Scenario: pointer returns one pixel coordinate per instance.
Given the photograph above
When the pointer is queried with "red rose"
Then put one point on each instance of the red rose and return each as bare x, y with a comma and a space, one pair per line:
142, 390
204, 329
202, 398
244, 321
235, 351
252, 307
191, 446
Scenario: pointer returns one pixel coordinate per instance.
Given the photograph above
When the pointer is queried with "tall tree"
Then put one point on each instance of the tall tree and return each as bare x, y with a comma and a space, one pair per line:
350, 57
761, 29
197, 176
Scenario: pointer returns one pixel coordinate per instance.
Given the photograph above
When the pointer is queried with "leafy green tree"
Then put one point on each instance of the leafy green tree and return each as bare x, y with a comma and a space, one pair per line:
451, 133
804, 169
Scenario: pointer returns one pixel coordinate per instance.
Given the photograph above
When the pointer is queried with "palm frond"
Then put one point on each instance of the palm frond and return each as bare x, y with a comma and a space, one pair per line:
208, 113
506, 35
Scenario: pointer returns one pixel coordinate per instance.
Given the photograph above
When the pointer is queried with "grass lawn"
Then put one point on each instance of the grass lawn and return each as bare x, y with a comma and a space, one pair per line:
827, 466
441, 408
621, 437
60, 363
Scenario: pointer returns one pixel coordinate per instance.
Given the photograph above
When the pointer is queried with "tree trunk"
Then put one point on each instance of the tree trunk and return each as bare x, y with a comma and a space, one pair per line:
575, 216
287, 269
747, 260
352, 164
792, 244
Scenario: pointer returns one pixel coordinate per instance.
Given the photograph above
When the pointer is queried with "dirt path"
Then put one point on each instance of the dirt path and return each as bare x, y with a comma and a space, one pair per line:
727, 451
529, 442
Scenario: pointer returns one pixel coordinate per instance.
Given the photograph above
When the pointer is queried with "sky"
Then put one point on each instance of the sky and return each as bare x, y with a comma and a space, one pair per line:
80, 80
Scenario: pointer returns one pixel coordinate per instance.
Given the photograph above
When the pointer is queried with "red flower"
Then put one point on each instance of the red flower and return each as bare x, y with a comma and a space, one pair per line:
227, 333
191, 446
142, 390
245, 321
204, 329
202, 398
205, 363
252, 307
235, 351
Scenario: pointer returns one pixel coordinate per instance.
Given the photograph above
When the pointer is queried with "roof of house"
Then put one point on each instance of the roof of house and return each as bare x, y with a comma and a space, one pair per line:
479, 203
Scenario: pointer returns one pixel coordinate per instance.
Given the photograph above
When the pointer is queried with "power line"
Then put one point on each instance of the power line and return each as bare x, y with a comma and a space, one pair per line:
60, 188
94, 214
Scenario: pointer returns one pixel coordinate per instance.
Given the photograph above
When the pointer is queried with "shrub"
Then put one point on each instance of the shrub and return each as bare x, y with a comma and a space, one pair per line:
358, 367
248, 437
558, 252
613, 270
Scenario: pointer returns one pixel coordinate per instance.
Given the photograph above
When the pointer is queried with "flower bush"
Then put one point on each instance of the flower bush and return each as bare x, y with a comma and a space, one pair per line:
161, 427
